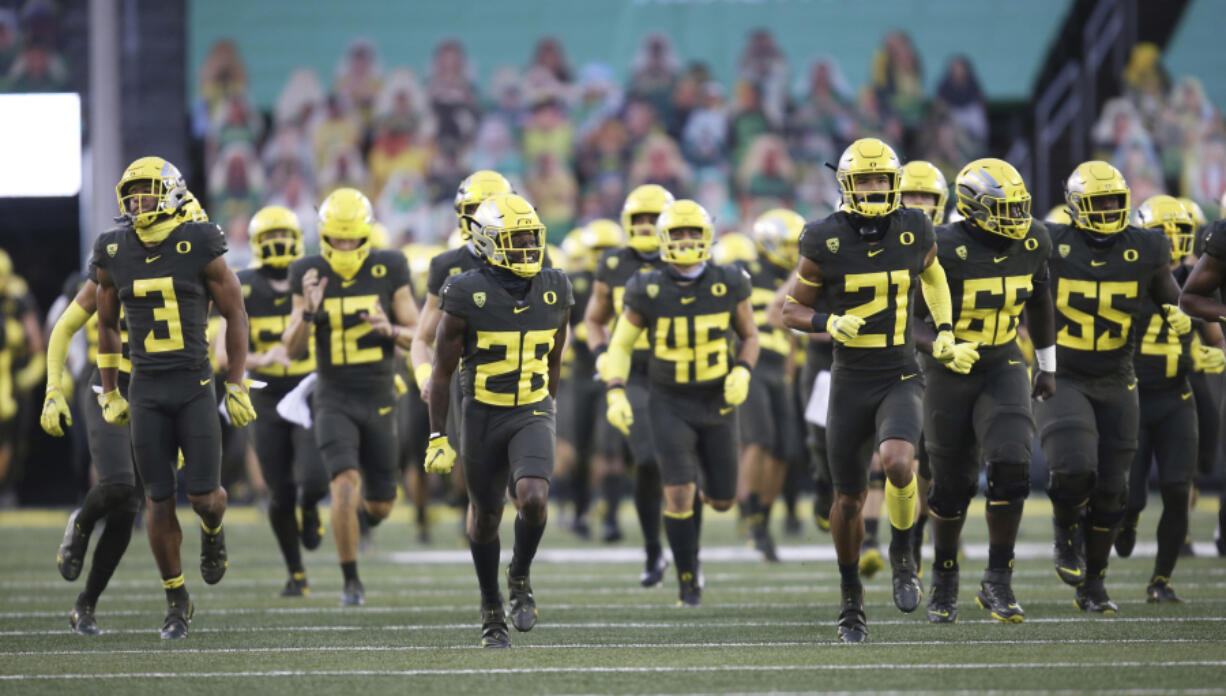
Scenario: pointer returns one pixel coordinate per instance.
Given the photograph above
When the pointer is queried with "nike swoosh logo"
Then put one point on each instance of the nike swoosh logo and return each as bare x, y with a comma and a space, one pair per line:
540, 413
998, 259
1098, 263
1072, 572
1185, 397
347, 283
1015, 362
280, 300
687, 300
520, 310
385, 410
907, 377
1132, 386
944, 614
874, 252
205, 381
151, 259
726, 411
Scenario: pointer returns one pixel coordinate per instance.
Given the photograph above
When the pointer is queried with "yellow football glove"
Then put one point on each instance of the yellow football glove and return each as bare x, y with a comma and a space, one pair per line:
943, 346
964, 357
619, 413
844, 327
1207, 358
439, 455
1180, 322
181, 462
238, 405
54, 406
114, 408
736, 385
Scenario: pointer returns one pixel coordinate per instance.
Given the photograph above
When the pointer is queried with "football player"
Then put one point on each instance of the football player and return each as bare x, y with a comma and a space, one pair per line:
1102, 272
508, 321
766, 421
22, 362
355, 302
688, 310
977, 406
615, 268
865, 260
165, 271
1164, 362
289, 459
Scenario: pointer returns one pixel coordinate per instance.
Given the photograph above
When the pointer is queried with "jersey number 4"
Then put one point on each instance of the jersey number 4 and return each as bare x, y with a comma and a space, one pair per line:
693, 344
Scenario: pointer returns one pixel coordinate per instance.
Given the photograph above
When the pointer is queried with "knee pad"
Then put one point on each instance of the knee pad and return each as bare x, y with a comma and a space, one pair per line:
1107, 508
876, 480
1070, 489
1008, 480
950, 502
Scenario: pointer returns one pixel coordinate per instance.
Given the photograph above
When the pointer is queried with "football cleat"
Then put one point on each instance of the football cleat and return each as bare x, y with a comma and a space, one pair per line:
996, 595
943, 602
178, 616
312, 528
763, 542
792, 526
296, 586
1160, 592
523, 604
823, 523
72, 549
1186, 550
1092, 597
691, 593
653, 574
353, 594
907, 591
213, 561
612, 532
1069, 552
871, 562
494, 627
82, 620
852, 624
1220, 542
1125, 541
581, 527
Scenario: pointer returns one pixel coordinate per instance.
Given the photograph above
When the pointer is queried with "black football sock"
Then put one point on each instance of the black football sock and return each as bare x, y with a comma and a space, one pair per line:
764, 509
111, 545
849, 574
582, 487
1172, 529
176, 590
917, 532
945, 535
752, 508
1000, 557
527, 539
870, 533
485, 560
611, 490
1003, 518
698, 506
900, 541
1067, 515
349, 570
648, 502
1098, 546
683, 539
99, 502
285, 529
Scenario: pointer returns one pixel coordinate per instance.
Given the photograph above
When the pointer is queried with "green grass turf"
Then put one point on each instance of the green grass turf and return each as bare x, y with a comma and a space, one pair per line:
762, 628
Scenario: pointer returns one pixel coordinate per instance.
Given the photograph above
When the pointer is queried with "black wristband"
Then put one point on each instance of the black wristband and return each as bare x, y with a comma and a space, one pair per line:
308, 317
600, 349
945, 327
819, 321
742, 363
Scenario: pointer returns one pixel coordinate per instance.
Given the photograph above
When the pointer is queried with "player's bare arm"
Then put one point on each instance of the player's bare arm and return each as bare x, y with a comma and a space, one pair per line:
108, 328
555, 354
1197, 298
448, 345
746, 330
801, 293
597, 315
302, 314
227, 294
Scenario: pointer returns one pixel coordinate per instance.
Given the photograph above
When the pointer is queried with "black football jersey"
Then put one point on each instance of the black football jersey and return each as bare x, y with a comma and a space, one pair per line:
268, 314
581, 283
449, 264
990, 280
351, 356
688, 326
615, 268
765, 279
1098, 294
1163, 358
507, 342
163, 292
876, 282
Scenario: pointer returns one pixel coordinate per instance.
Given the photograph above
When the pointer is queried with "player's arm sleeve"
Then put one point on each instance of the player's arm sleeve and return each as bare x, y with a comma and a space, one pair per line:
936, 294
70, 321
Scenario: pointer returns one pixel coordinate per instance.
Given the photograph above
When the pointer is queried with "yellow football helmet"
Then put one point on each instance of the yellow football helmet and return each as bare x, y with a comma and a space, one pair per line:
646, 199
991, 192
165, 183
475, 188
578, 257
777, 233
345, 214
281, 251
733, 247
584, 245
684, 214
864, 157
1172, 217
1059, 214
496, 223
1198, 215
1091, 185
922, 177
418, 257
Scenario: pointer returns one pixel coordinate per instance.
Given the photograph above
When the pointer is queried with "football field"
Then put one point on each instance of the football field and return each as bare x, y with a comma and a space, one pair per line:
761, 627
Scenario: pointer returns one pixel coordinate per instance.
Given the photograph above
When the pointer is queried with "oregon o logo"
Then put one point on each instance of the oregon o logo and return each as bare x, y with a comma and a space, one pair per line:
1031, 244
1130, 254
906, 238
551, 297
379, 270
184, 247
719, 289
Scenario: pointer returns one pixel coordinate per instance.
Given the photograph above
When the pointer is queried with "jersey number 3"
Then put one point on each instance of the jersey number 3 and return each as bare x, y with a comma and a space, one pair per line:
168, 312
